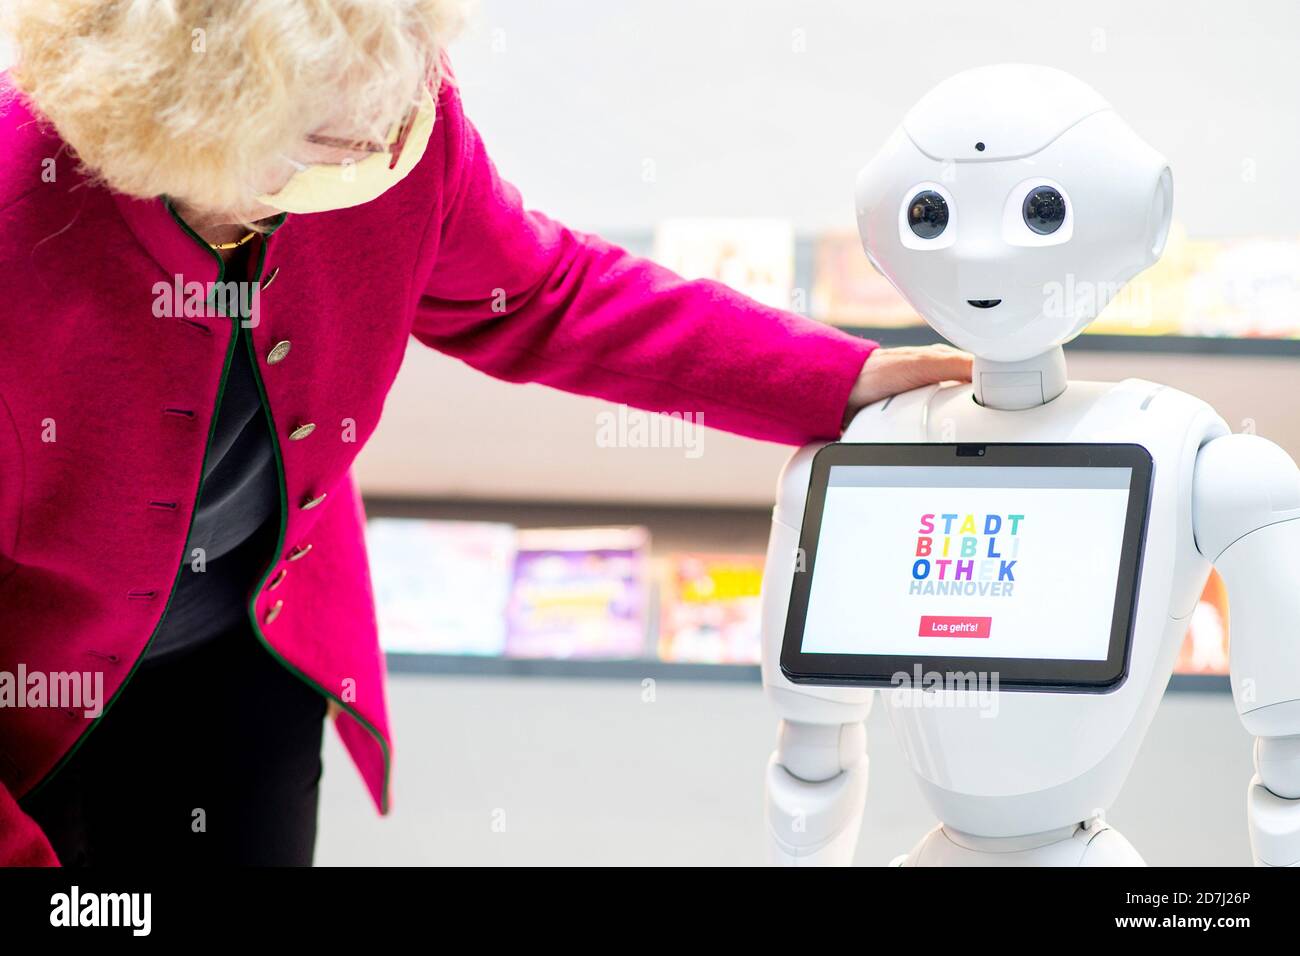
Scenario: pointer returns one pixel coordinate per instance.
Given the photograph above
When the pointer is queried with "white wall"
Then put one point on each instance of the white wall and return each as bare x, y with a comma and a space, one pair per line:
768, 108
573, 95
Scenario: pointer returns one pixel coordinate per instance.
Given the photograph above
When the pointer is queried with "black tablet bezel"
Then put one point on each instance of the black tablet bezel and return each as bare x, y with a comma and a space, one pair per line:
881, 670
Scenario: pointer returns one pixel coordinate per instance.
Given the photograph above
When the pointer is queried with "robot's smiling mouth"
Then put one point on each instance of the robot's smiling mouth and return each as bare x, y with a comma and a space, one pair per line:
983, 303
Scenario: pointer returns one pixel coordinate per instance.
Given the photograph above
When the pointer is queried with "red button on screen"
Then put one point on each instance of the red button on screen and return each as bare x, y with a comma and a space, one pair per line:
955, 626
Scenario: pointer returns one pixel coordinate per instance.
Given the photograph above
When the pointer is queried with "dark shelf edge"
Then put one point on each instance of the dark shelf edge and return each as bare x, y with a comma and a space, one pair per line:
468, 666
1201, 683
632, 669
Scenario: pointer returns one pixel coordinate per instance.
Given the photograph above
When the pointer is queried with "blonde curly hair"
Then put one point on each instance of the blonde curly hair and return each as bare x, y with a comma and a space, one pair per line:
199, 99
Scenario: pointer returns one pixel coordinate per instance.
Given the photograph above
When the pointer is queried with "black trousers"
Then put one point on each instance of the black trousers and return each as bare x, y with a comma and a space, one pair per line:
211, 757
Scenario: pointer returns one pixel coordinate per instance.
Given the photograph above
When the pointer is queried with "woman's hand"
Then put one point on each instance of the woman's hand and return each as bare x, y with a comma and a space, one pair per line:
890, 371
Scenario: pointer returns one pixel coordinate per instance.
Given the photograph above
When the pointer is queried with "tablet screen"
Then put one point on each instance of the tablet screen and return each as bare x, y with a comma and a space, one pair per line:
988, 562
1015, 560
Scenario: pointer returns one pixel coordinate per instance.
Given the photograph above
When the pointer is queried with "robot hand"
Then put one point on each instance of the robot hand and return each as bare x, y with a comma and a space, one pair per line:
1246, 501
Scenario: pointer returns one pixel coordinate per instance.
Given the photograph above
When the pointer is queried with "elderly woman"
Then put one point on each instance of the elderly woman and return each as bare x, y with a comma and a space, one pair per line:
220, 223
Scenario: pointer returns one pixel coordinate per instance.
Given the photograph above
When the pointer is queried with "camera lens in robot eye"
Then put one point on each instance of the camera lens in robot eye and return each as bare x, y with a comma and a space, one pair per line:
1044, 210
927, 214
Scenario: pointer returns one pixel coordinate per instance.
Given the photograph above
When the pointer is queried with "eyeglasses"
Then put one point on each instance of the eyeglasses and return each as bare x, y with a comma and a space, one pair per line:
394, 149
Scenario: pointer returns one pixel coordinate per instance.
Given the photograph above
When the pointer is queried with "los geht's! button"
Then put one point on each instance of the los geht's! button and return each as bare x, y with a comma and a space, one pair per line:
938, 626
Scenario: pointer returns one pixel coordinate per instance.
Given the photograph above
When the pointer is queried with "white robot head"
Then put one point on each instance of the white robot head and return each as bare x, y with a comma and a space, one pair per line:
1010, 206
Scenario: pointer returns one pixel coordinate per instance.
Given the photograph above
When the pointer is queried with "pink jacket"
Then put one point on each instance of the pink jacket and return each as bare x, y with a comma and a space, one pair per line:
105, 406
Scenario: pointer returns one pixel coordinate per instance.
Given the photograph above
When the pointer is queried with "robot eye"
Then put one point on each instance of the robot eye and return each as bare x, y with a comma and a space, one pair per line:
927, 214
1044, 210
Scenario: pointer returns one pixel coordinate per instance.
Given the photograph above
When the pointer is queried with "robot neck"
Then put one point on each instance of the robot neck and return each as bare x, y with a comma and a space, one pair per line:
1017, 385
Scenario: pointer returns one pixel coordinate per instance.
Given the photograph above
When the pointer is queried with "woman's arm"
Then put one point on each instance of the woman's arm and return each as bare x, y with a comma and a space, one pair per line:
523, 298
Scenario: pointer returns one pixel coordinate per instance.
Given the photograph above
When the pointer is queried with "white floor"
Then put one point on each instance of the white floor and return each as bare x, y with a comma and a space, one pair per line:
546, 771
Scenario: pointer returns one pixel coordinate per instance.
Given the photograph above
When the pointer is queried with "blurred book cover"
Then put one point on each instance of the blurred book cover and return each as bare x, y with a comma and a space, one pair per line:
579, 593
847, 291
1205, 648
441, 586
709, 610
1248, 288
1229, 288
752, 256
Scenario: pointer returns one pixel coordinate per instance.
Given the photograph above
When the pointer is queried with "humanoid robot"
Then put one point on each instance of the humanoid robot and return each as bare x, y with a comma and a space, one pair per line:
1008, 208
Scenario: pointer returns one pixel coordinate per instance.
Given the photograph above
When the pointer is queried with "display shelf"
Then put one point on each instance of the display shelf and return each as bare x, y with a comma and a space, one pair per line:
637, 670
672, 528
1211, 683
805, 278
1147, 344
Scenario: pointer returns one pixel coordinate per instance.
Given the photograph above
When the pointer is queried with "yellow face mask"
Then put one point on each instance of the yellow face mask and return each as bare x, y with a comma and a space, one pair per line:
324, 186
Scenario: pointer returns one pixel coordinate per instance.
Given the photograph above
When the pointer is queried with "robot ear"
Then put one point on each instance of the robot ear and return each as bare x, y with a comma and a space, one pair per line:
1162, 212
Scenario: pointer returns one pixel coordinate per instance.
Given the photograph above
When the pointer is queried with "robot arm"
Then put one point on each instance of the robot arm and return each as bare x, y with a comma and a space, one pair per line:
816, 782
1246, 512
816, 787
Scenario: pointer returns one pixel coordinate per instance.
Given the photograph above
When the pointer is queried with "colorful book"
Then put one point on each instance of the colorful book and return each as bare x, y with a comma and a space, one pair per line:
848, 291
441, 587
709, 609
579, 593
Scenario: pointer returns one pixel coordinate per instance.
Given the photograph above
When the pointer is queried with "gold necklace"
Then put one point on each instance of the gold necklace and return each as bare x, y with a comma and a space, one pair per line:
227, 246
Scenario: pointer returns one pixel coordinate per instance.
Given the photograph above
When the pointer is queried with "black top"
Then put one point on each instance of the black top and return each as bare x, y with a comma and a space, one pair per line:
236, 520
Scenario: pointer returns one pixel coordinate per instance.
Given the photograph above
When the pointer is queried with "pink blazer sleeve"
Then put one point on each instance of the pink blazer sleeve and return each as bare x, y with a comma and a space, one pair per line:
21, 841
523, 298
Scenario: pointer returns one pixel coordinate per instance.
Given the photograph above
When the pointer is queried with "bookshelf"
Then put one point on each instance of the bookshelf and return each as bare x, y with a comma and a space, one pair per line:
672, 529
